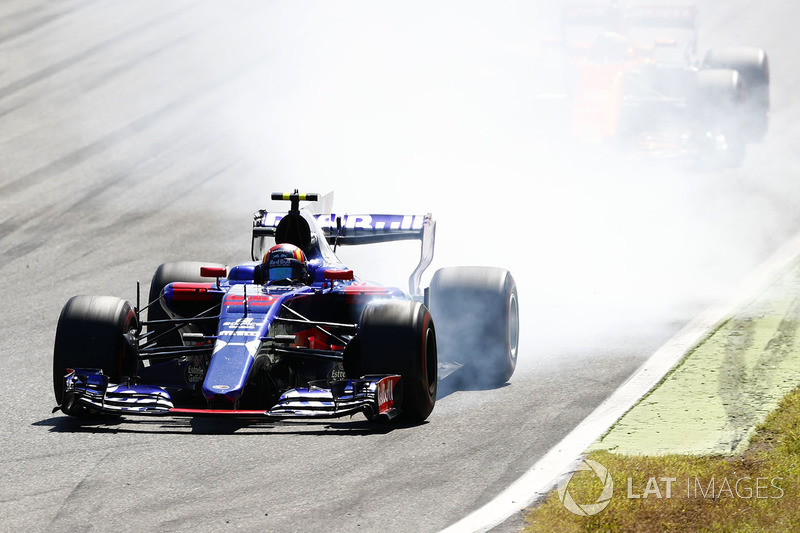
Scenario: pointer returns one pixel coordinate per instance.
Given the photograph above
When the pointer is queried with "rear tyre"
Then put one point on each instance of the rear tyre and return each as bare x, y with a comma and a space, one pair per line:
398, 337
477, 316
90, 334
184, 271
752, 64
720, 112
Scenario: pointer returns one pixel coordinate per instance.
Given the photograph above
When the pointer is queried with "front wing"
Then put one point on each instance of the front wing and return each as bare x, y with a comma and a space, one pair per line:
88, 392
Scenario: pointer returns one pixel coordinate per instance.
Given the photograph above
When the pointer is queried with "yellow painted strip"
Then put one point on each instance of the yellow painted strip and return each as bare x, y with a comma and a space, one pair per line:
711, 403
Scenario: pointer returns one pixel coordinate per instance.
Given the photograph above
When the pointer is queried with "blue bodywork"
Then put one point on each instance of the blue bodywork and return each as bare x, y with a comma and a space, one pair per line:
251, 348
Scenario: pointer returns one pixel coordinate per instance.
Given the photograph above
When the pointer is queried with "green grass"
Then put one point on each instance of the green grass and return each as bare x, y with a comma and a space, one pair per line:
767, 497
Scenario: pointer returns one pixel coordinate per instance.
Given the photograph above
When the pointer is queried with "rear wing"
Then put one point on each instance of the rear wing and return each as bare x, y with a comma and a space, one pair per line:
368, 229
344, 230
619, 19
357, 229
615, 17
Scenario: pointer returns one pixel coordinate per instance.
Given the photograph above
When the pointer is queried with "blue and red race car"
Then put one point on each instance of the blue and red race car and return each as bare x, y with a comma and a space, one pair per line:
293, 333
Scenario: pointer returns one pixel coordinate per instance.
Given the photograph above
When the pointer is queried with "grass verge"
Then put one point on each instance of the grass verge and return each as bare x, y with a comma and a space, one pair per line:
757, 491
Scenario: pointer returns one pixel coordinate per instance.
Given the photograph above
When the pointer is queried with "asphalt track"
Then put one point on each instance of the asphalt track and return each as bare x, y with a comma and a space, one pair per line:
138, 133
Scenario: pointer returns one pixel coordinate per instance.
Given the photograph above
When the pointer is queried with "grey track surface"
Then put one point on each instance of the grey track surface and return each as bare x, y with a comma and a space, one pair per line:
133, 133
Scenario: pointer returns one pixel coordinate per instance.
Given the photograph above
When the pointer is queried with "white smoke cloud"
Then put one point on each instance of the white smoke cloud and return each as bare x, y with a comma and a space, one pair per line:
423, 107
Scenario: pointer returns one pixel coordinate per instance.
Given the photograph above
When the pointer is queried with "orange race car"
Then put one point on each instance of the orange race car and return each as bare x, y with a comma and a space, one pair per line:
633, 78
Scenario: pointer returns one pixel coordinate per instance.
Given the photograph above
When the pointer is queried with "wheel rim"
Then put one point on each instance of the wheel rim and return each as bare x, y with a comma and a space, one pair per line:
513, 327
431, 365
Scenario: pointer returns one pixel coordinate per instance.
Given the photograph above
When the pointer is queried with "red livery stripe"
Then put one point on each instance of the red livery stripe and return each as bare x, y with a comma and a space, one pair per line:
192, 292
236, 299
229, 412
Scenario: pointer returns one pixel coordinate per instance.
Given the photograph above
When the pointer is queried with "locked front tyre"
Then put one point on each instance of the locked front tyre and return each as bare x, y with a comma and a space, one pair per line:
477, 318
91, 334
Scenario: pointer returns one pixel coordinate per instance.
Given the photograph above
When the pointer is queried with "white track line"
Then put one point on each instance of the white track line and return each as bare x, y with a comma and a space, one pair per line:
560, 460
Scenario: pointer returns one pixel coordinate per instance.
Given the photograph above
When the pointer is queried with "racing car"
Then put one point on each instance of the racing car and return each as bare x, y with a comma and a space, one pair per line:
633, 77
292, 333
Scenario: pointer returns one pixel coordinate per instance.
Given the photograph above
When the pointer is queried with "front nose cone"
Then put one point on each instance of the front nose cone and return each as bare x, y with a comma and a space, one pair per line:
222, 401
227, 375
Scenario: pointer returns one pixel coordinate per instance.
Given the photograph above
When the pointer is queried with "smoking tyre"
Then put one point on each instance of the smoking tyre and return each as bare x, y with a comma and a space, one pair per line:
477, 319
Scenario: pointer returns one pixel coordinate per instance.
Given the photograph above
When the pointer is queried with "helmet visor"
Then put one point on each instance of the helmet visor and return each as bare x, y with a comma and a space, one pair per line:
279, 273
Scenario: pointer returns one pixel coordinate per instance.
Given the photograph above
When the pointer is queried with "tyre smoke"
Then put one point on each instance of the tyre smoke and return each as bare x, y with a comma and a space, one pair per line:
435, 109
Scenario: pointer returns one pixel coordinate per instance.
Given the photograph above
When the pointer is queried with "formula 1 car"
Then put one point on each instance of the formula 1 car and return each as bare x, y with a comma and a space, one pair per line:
633, 76
300, 337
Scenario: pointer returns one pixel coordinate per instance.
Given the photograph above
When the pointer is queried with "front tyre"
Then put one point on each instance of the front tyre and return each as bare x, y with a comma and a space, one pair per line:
90, 334
398, 337
477, 316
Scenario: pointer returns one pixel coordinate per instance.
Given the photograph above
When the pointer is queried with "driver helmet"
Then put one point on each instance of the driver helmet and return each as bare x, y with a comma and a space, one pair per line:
285, 263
